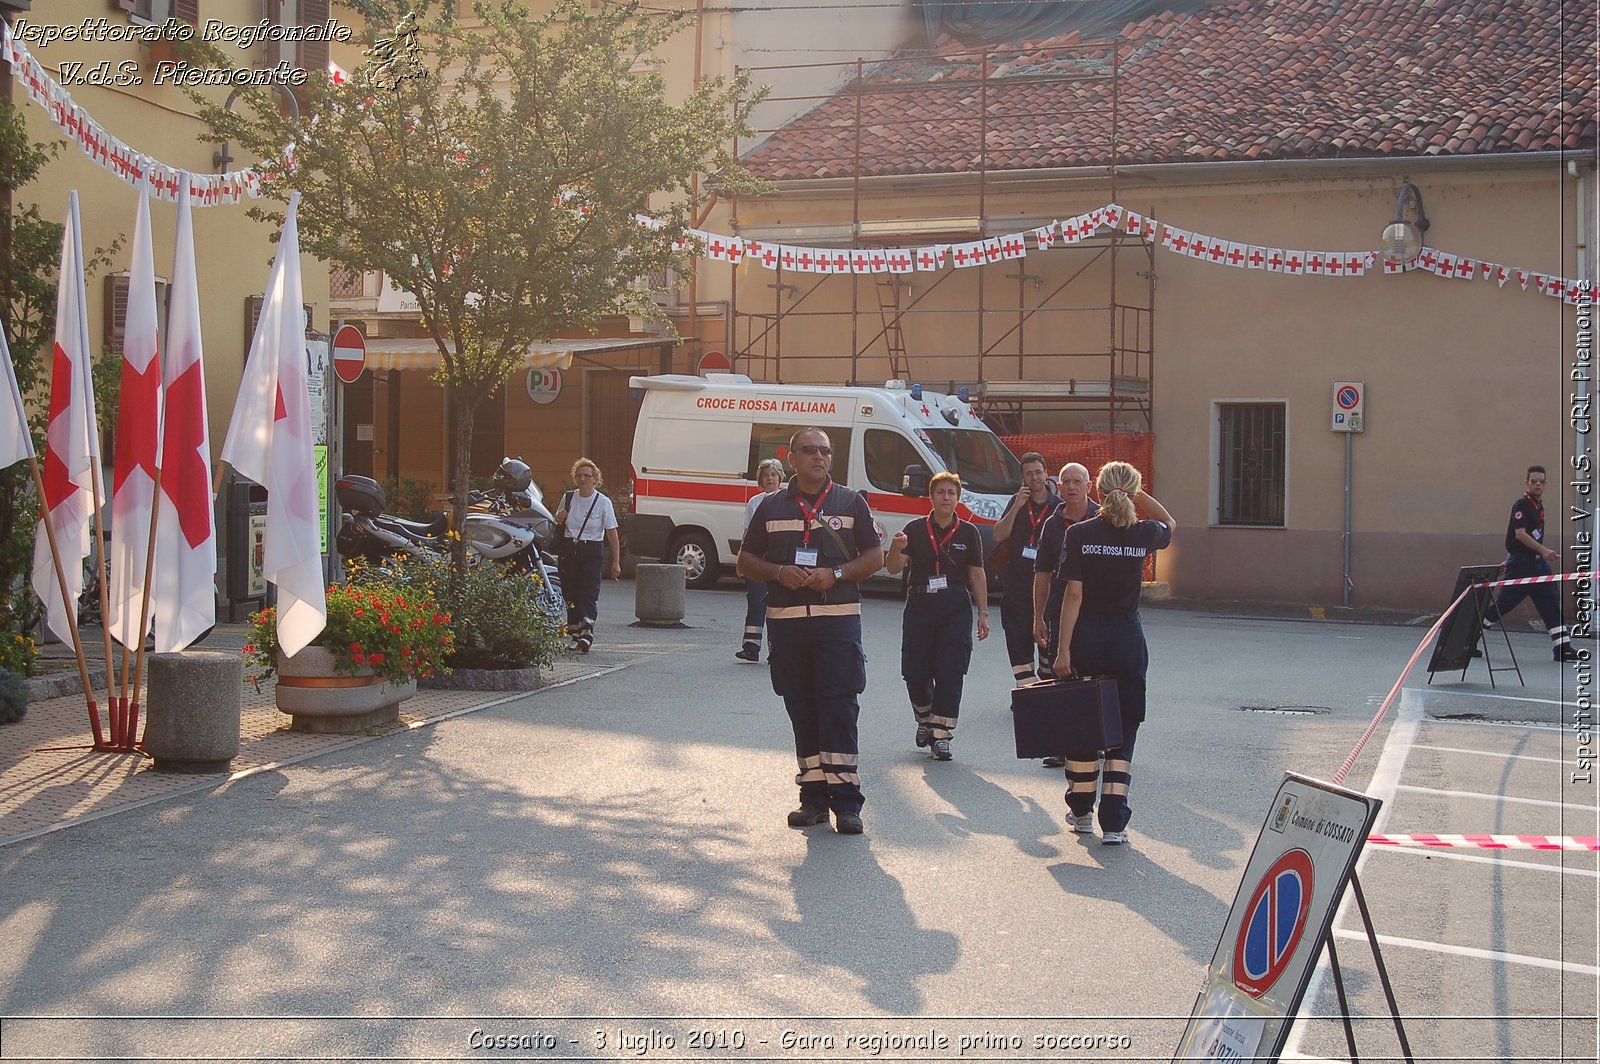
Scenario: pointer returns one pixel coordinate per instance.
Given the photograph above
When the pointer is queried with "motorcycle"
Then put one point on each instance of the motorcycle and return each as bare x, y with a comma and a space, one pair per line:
506, 526
511, 524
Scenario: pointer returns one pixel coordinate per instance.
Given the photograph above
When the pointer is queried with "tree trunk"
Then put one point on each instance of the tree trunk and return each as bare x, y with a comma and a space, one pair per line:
465, 416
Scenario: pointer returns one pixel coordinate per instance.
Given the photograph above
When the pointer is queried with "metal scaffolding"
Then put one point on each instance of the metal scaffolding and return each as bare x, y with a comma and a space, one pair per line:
1082, 343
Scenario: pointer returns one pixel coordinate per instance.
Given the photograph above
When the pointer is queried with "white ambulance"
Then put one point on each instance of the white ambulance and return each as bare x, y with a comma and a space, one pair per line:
699, 440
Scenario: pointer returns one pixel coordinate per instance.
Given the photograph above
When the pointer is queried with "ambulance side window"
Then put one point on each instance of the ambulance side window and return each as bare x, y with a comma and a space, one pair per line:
771, 440
888, 454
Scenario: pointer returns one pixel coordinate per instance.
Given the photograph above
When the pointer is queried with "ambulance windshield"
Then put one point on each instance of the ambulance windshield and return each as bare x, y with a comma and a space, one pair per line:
984, 464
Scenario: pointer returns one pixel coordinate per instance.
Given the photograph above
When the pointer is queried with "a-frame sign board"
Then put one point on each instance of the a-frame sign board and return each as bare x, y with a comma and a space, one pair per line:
1280, 920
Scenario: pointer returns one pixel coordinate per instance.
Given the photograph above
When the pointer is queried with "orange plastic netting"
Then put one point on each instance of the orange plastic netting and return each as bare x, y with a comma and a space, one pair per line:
1091, 449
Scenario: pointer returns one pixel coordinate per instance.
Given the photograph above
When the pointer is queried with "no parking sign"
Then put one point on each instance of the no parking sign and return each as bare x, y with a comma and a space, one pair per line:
1279, 921
1348, 398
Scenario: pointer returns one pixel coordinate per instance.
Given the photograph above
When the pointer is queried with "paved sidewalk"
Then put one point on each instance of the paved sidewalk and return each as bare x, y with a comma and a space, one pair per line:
52, 777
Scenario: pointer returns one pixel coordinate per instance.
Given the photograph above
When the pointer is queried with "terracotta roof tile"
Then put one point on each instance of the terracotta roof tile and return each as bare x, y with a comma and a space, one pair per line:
1252, 79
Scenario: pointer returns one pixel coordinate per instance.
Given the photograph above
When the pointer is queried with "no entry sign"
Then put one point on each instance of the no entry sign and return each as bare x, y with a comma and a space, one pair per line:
349, 353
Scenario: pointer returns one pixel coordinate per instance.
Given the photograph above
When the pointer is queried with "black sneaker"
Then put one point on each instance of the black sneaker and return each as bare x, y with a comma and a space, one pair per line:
584, 643
941, 749
1567, 652
846, 823
1488, 624
808, 816
924, 736
749, 652
1055, 762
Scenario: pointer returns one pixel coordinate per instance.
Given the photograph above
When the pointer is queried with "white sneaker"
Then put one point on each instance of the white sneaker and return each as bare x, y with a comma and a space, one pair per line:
1114, 838
1083, 825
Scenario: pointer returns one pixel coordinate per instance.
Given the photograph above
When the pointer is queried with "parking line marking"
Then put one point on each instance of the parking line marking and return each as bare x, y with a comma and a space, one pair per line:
1496, 798
1503, 698
1506, 861
1491, 753
1570, 967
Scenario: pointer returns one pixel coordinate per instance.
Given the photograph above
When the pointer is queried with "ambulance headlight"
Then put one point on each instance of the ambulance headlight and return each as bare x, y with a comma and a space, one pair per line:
981, 506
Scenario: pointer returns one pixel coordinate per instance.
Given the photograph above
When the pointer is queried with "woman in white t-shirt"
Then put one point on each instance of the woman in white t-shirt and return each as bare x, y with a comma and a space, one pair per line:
591, 523
769, 476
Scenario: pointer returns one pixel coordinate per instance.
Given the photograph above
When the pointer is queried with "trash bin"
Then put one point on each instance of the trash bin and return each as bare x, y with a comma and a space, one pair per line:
245, 525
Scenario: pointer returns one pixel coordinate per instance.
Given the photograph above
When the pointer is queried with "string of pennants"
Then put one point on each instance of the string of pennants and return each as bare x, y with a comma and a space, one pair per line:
1114, 217
107, 149
207, 190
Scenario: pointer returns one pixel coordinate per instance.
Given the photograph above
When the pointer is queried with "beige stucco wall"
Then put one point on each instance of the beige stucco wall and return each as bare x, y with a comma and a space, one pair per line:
233, 254
1467, 383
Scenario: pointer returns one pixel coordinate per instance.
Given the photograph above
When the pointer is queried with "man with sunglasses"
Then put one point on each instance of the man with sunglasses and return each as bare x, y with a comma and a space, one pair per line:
813, 542
1527, 555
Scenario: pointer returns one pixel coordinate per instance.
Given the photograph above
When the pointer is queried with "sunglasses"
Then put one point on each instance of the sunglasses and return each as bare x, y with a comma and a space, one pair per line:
815, 448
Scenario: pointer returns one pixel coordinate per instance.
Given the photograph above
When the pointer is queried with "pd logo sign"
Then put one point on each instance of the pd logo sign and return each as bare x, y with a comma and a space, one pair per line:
1274, 920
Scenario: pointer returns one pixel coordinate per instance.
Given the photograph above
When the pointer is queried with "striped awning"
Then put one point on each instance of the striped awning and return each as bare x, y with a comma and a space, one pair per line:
421, 353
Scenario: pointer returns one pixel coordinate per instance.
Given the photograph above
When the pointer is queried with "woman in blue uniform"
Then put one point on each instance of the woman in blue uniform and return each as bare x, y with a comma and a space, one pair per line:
1102, 562
769, 477
946, 579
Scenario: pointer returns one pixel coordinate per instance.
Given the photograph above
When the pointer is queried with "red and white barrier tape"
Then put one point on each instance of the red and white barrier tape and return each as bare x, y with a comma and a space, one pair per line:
1519, 581
1383, 710
1490, 842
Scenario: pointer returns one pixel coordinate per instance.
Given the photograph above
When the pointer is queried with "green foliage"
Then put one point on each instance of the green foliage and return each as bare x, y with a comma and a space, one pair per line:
494, 613
17, 652
13, 697
27, 313
378, 621
501, 187
408, 497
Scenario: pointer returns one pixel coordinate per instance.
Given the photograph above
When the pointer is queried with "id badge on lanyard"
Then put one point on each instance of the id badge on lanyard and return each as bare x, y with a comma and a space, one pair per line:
1030, 553
805, 556
938, 583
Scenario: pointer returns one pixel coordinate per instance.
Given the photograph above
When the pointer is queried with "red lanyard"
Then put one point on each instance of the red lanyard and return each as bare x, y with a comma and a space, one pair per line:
1034, 525
811, 514
938, 547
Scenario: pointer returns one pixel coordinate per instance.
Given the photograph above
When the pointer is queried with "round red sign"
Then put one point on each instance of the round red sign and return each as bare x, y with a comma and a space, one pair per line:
349, 353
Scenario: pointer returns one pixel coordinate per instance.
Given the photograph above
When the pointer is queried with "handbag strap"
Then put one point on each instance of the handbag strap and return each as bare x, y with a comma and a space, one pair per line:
849, 554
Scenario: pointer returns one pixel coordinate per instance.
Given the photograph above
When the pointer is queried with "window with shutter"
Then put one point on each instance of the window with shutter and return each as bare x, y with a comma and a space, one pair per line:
252, 315
158, 11
116, 307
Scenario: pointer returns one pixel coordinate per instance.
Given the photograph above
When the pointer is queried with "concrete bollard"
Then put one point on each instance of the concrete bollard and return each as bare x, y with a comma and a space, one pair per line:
658, 592
195, 701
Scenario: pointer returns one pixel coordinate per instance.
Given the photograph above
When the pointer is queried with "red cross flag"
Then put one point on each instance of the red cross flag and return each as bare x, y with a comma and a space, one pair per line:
71, 447
931, 258
184, 592
133, 491
269, 441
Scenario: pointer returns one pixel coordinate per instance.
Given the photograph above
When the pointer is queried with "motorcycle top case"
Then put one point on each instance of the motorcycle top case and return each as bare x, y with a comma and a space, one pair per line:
359, 495
1066, 718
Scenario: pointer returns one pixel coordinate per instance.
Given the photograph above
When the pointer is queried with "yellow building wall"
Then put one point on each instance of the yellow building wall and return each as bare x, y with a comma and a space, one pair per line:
233, 255
1467, 383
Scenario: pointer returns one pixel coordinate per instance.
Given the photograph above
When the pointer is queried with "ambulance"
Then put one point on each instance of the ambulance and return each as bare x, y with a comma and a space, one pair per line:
699, 440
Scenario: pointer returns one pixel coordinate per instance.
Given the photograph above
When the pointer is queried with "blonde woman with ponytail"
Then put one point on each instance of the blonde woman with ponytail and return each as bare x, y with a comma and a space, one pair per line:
1102, 563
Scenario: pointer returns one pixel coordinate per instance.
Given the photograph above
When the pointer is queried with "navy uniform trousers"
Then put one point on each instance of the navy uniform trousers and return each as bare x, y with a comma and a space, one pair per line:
819, 667
1110, 646
935, 651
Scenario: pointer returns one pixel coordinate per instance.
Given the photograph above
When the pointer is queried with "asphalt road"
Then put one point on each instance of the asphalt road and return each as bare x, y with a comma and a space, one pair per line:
601, 870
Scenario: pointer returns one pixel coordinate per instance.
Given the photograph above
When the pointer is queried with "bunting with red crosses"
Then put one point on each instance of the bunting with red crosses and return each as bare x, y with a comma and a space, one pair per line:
1114, 218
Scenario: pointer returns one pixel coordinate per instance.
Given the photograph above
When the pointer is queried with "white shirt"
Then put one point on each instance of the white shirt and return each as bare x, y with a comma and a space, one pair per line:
603, 517
755, 500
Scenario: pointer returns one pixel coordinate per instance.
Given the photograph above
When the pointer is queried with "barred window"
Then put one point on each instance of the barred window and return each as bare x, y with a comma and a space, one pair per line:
1251, 463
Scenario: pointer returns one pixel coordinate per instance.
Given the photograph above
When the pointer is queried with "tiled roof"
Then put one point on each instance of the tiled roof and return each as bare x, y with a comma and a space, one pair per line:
1252, 79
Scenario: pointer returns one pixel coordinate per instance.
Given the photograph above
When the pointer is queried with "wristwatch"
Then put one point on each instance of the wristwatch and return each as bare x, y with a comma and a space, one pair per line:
838, 574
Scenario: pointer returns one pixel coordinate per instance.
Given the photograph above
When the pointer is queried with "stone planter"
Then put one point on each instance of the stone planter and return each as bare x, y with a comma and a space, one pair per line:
322, 699
528, 679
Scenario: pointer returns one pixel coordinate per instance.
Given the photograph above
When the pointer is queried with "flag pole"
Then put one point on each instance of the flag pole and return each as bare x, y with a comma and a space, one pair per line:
61, 582
144, 615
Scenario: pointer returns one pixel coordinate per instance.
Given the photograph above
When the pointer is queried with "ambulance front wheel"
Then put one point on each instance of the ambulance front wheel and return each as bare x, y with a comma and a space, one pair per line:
698, 556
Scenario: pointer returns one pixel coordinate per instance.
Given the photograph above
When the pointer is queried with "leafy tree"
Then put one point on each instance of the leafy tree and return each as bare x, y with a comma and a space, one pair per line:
27, 311
500, 185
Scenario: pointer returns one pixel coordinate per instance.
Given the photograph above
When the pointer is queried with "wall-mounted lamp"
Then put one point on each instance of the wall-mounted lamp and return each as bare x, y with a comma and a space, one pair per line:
1402, 239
